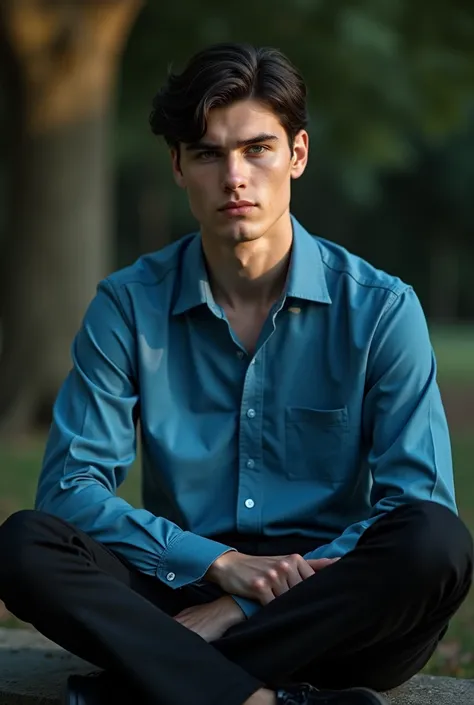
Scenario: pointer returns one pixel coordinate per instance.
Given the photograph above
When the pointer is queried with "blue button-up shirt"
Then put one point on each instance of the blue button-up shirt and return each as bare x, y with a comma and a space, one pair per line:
335, 419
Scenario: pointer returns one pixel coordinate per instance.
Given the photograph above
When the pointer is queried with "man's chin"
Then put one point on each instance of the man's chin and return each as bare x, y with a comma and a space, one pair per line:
242, 232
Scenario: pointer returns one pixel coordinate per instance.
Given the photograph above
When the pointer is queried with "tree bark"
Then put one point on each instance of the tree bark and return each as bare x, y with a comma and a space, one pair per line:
59, 240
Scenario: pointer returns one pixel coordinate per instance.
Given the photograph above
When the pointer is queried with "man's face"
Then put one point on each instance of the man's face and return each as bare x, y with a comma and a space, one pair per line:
244, 157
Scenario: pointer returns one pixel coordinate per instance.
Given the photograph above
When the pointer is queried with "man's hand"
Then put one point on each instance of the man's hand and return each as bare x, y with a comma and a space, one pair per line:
262, 578
212, 620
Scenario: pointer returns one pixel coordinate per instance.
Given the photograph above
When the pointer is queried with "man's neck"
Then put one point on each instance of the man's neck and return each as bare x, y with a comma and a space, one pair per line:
250, 274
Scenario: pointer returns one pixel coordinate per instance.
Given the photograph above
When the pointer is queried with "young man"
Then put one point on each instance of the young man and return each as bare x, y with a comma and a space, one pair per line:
300, 524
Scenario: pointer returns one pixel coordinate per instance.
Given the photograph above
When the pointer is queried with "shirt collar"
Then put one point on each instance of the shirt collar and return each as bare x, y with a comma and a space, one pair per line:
306, 279
193, 285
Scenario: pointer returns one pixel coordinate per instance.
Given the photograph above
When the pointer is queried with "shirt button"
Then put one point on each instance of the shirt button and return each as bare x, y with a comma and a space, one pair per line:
170, 576
240, 354
250, 463
249, 503
251, 413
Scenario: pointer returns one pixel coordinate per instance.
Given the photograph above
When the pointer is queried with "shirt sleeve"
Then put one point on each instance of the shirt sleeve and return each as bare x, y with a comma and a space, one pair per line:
248, 607
92, 445
404, 422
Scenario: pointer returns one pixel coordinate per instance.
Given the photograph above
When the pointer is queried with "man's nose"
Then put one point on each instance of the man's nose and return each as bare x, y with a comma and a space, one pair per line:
234, 176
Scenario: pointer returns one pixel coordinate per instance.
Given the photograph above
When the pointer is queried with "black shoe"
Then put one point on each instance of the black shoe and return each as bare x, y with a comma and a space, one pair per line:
93, 689
306, 694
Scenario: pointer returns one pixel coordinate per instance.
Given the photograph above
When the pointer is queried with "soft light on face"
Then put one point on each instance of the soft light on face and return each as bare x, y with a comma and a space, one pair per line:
243, 157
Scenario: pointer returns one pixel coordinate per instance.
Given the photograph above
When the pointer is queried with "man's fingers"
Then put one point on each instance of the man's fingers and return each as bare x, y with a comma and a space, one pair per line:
266, 597
305, 569
288, 574
320, 563
263, 590
263, 578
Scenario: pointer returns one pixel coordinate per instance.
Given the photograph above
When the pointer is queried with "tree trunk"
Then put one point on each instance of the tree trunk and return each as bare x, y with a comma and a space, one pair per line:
59, 241
60, 251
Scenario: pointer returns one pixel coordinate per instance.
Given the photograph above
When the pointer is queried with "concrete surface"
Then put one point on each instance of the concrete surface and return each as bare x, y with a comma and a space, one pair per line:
33, 671
432, 690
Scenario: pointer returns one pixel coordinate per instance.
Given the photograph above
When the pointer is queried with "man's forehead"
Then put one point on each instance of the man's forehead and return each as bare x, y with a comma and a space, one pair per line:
241, 121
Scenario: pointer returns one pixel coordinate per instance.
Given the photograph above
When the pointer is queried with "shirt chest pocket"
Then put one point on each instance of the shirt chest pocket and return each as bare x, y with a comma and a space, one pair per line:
316, 444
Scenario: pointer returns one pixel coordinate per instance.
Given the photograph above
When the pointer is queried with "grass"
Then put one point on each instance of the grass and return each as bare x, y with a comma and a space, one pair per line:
454, 348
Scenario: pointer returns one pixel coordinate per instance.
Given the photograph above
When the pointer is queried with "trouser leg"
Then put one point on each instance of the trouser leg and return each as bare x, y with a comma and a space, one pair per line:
81, 596
374, 617
371, 619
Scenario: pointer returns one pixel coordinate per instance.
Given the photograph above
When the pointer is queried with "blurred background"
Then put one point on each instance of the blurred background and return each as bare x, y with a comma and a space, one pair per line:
85, 188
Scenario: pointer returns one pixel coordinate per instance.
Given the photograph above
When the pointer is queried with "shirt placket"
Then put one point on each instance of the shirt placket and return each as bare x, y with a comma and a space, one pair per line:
250, 489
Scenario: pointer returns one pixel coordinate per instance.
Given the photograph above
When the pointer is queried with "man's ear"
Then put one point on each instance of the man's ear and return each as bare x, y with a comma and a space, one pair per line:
176, 167
300, 154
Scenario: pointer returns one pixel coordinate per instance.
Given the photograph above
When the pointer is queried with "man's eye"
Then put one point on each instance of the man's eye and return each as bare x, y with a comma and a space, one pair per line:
257, 149
208, 154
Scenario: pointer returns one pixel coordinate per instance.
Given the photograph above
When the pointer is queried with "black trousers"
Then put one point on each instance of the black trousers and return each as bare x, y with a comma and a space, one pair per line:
373, 618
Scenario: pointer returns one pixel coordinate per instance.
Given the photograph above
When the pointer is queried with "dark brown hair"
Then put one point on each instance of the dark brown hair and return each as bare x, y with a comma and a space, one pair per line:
223, 74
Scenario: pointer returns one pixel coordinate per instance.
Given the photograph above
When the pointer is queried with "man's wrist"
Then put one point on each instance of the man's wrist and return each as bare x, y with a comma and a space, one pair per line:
216, 569
236, 610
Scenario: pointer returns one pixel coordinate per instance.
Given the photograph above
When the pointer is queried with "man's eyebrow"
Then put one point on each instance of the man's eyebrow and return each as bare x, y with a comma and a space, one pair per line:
211, 146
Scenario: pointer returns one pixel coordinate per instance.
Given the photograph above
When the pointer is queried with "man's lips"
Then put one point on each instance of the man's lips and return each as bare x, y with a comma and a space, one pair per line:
231, 205
237, 208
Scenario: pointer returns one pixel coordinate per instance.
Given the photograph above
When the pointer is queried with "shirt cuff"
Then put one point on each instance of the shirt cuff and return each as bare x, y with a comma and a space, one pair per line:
248, 607
188, 558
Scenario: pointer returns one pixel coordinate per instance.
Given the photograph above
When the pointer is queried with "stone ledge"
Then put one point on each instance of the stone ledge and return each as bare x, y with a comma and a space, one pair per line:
33, 671
433, 690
